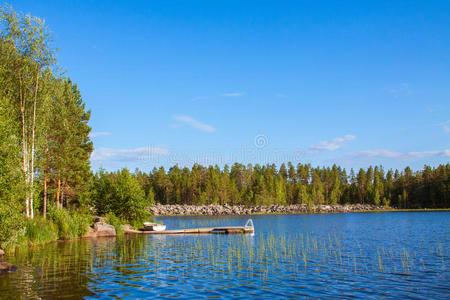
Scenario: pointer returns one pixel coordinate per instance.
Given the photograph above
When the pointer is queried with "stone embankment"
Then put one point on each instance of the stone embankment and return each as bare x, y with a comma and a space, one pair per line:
212, 210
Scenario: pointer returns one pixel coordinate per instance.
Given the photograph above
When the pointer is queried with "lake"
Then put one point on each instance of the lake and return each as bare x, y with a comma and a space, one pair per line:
353, 255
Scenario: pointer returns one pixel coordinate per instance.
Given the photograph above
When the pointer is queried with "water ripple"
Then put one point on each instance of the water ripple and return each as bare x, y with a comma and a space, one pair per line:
363, 256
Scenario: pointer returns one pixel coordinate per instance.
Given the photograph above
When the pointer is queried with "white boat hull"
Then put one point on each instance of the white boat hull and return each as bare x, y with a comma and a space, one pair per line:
154, 227
159, 228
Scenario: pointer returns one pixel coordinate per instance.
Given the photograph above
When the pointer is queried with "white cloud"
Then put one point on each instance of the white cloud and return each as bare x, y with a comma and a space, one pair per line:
383, 153
380, 153
143, 153
99, 133
403, 89
194, 123
233, 94
445, 153
445, 126
332, 145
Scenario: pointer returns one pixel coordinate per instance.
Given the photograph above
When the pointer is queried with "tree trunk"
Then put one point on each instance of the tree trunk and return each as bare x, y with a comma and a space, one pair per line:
57, 194
25, 160
62, 195
44, 204
24, 141
32, 143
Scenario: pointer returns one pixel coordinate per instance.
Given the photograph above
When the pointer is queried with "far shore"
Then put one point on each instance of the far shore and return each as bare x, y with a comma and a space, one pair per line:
223, 210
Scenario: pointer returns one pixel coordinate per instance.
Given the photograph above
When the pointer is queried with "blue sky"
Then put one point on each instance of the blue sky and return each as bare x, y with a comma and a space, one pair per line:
355, 83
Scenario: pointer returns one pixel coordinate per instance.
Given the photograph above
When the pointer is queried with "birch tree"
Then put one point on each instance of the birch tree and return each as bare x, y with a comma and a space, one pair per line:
27, 44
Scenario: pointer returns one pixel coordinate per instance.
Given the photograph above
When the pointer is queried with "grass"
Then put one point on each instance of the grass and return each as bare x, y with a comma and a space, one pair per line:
115, 221
69, 225
40, 231
60, 224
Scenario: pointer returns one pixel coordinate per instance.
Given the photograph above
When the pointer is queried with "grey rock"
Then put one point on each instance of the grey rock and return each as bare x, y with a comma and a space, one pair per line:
160, 210
6, 267
104, 229
101, 229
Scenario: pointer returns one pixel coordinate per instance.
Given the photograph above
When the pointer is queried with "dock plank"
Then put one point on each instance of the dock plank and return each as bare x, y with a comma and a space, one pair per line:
212, 230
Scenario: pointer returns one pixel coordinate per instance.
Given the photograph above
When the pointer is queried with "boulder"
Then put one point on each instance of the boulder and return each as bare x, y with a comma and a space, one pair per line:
6, 267
91, 233
104, 229
101, 229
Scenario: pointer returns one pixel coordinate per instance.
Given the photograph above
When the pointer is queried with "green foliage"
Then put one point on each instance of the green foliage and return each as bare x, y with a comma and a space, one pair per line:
39, 231
26, 58
44, 131
69, 225
81, 222
68, 146
12, 226
130, 203
113, 220
44, 135
121, 194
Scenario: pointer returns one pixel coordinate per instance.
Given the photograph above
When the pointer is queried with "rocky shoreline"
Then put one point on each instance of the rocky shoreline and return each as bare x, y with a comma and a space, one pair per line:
213, 210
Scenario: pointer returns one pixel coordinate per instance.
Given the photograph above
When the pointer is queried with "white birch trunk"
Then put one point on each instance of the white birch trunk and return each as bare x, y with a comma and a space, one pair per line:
32, 145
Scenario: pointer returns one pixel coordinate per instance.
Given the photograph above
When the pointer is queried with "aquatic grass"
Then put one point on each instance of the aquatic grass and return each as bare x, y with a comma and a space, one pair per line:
380, 262
266, 254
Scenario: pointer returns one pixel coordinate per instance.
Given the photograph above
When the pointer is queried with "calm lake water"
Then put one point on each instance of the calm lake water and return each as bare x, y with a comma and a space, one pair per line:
355, 255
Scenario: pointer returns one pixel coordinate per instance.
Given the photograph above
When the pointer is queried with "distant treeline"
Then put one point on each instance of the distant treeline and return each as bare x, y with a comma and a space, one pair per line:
288, 184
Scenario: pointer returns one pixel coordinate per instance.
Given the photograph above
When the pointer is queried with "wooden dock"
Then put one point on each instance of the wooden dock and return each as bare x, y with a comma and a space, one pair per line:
247, 229
212, 230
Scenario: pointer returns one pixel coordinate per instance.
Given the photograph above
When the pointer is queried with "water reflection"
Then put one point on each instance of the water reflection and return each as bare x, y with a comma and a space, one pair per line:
363, 255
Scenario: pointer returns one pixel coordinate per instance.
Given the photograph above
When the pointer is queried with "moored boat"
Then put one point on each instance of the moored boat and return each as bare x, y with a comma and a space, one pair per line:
148, 226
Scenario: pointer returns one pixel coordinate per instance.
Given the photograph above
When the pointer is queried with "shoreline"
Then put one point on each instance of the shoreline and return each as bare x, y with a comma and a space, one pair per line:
230, 210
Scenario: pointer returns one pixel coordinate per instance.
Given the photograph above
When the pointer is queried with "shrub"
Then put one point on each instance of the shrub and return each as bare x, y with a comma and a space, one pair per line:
12, 226
121, 194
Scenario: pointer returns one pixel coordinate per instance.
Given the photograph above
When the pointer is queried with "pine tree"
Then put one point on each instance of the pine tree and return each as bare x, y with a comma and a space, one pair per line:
362, 183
